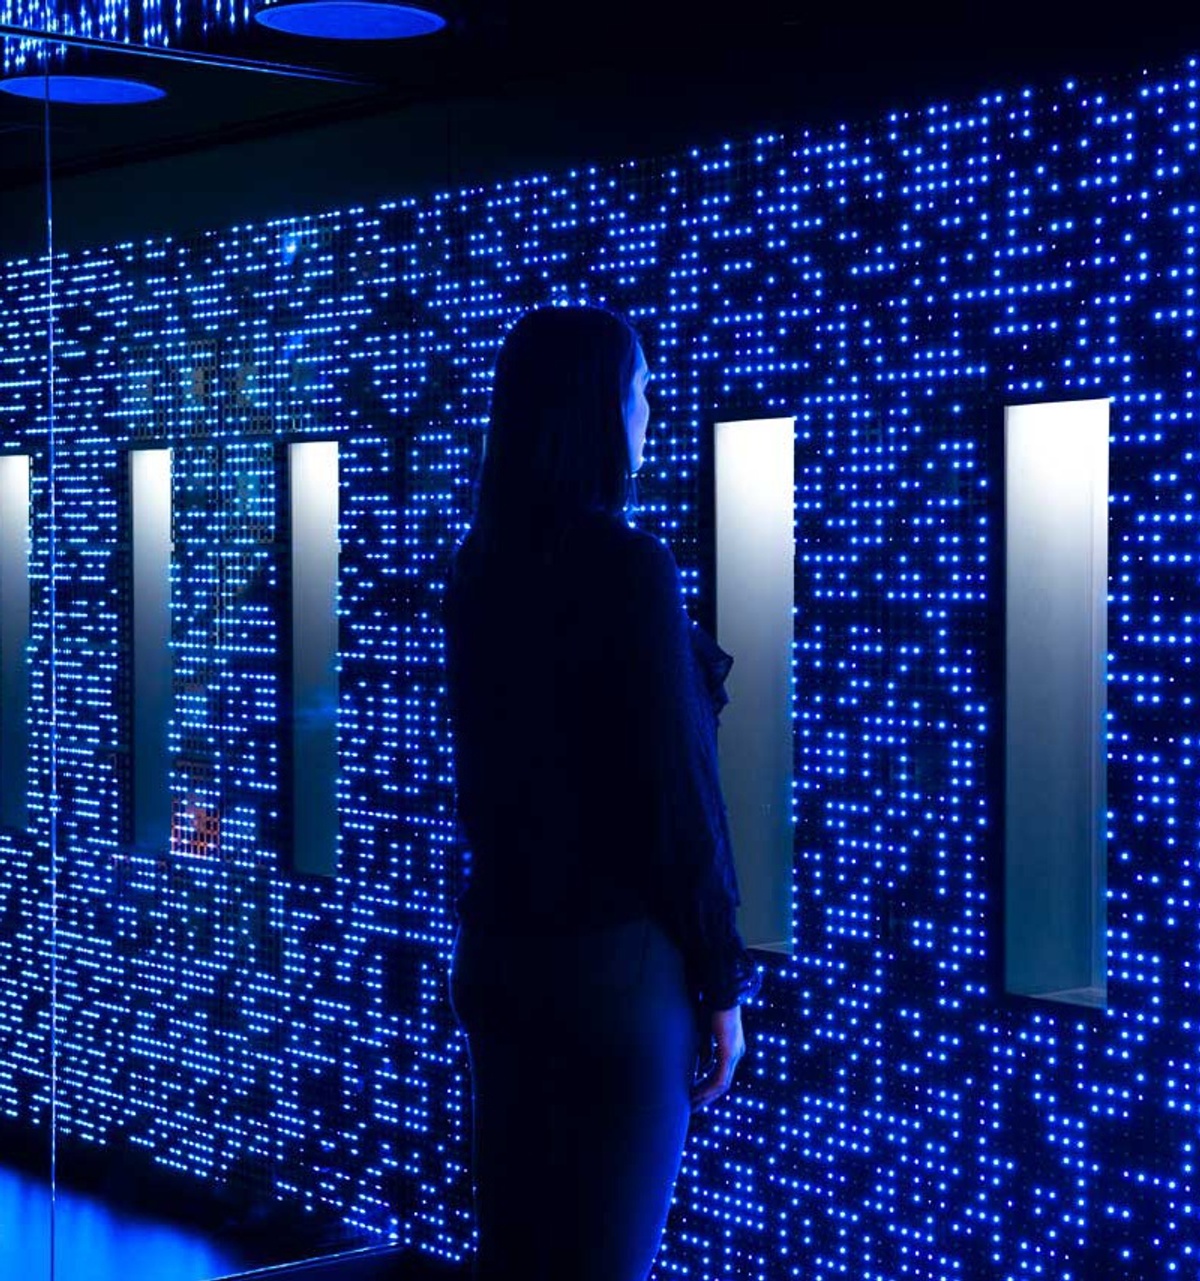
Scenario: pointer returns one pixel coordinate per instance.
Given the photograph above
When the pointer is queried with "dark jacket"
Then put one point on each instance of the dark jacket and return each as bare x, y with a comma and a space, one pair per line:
584, 706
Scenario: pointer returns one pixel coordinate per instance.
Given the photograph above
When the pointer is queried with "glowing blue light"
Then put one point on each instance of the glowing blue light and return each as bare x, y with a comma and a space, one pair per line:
82, 90
350, 20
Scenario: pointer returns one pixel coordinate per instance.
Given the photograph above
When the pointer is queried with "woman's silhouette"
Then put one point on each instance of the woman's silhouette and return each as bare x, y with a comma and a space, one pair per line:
597, 954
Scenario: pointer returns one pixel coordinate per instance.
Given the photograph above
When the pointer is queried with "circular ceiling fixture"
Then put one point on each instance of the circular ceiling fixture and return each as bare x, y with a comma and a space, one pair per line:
82, 90
350, 19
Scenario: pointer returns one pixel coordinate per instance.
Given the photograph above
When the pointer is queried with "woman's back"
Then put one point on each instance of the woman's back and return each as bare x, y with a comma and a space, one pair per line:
542, 676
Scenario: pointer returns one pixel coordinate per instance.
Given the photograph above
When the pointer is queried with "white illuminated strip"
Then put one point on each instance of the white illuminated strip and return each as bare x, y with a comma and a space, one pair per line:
313, 488
14, 639
755, 543
150, 503
1056, 584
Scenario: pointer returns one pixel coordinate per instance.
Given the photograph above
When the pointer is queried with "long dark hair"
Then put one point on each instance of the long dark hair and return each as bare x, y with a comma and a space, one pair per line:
556, 444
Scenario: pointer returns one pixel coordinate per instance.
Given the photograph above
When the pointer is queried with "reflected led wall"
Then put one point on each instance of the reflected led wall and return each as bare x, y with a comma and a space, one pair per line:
146, 22
892, 285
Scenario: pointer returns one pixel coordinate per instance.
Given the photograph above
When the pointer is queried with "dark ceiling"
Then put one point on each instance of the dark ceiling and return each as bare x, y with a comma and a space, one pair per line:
632, 64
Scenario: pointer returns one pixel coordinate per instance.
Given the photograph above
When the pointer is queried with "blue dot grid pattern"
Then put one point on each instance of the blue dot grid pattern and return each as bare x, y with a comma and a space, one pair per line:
26, 878
892, 285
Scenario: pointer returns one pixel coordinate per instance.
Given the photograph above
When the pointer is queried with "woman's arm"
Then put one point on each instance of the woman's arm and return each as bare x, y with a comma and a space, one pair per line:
692, 880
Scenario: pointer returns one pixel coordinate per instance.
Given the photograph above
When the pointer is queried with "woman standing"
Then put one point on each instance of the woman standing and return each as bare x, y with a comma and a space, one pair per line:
597, 954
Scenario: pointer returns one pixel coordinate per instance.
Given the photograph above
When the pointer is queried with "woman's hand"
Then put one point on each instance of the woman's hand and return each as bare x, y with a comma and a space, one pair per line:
717, 1072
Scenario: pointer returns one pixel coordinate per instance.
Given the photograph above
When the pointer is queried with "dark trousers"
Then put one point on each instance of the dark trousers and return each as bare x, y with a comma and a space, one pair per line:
583, 1050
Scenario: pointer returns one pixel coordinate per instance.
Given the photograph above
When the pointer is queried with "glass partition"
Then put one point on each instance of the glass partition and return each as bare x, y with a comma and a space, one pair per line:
26, 901
227, 1087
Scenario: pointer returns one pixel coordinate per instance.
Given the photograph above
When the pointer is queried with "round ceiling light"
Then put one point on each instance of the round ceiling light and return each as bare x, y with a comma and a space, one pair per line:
82, 90
350, 20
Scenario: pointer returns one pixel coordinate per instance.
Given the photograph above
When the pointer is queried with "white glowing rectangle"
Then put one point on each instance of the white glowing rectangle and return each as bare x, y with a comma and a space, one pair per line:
1056, 599
150, 530
313, 490
14, 639
755, 590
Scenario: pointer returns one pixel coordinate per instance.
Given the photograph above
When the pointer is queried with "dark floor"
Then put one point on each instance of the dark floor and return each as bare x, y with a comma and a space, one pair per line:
383, 1265
96, 1240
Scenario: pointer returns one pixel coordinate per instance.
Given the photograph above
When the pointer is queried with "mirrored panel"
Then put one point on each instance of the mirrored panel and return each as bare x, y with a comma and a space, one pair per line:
754, 505
1056, 468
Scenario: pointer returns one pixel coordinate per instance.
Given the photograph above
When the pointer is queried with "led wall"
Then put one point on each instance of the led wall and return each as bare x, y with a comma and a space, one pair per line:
893, 286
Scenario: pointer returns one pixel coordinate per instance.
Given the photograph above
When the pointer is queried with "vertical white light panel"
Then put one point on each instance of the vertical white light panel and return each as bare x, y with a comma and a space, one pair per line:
755, 544
1056, 584
14, 638
313, 487
150, 528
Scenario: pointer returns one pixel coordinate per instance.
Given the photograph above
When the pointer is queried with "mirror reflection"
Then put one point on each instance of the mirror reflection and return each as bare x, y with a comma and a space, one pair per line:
26, 952
182, 1055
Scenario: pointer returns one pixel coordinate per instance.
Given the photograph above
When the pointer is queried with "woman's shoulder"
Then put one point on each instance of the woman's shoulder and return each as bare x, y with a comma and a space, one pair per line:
637, 544
637, 562
596, 545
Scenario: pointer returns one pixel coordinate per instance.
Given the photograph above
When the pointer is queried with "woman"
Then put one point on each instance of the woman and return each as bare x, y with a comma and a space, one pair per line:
597, 947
